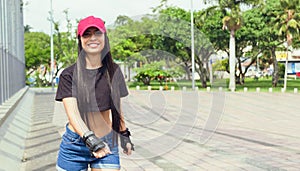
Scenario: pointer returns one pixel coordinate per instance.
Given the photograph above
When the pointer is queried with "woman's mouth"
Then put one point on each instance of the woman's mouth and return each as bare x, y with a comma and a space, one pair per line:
93, 45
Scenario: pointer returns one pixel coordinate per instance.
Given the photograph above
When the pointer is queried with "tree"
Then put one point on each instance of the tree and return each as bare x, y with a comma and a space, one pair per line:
288, 22
175, 24
65, 45
208, 22
152, 71
268, 38
232, 22
27, 28
249, 37
128, 38
37, 54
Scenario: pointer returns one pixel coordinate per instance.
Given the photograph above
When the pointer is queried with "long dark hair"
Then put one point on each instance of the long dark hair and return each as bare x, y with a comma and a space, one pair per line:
83, 96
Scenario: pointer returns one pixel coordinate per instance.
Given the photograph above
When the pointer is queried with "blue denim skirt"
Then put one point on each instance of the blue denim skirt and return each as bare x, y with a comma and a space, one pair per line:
73, 154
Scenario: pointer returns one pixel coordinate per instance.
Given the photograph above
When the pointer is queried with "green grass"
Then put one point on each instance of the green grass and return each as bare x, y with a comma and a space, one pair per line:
263, 83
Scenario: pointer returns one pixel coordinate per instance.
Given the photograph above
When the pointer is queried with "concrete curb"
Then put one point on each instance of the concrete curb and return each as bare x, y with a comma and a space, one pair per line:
14, 128
8, 106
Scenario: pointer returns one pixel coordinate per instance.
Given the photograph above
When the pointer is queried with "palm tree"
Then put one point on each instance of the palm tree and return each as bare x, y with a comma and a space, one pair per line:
232, 22
27, 28
288, 23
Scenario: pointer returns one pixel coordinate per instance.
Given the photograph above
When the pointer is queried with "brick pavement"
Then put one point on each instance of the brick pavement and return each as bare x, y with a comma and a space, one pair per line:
43, 138
188, 131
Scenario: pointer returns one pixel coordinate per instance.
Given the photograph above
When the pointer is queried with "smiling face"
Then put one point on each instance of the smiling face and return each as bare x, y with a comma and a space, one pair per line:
92, 41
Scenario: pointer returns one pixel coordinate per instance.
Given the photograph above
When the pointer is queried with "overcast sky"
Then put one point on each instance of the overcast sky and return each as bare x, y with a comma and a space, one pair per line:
36, 12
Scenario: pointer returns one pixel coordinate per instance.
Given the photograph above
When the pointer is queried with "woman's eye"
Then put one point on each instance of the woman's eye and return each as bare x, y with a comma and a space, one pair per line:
87, 34
98, 33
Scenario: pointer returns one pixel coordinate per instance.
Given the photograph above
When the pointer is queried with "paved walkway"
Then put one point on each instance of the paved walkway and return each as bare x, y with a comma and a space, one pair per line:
187, 131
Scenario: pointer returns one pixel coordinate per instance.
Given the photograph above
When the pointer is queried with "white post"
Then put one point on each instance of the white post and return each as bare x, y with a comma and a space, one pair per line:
161, 88
270, 89
172, 88
286, 65
257, 89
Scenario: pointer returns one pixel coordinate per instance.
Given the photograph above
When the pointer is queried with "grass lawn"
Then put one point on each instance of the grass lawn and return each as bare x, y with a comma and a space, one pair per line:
263, 83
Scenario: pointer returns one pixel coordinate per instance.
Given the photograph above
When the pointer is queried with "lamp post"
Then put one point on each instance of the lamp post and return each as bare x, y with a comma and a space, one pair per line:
192, 48
51, 45
286, 66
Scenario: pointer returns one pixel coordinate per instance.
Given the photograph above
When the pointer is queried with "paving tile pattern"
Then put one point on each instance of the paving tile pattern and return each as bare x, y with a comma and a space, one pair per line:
188, 131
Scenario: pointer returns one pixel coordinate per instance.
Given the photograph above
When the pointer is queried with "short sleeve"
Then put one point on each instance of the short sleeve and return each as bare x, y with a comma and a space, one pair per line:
121, 84
65, 87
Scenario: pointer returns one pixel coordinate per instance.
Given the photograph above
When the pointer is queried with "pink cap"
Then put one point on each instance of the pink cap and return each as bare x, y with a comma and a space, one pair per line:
90, 21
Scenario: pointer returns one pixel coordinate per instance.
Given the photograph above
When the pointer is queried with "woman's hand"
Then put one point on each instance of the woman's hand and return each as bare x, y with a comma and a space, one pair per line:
102, 152
129, 149
126, 143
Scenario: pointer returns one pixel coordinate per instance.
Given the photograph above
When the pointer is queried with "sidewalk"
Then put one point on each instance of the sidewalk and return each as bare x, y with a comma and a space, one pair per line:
187, 131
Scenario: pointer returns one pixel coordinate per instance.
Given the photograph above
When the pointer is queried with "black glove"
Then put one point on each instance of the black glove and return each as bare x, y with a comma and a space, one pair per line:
92, 142
124, 137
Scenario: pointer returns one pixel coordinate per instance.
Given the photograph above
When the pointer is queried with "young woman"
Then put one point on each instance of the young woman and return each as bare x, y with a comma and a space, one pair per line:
91, 90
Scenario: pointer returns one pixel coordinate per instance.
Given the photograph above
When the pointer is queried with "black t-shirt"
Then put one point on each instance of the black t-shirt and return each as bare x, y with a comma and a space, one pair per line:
97, 86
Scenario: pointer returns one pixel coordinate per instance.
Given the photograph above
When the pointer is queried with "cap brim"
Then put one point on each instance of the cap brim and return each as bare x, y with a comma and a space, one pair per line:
91, 25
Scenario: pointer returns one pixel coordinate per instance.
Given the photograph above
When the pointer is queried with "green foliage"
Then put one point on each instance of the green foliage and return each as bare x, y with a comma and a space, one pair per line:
220, 65
281, 67
165, 36
149, 72
209, 23
155, 71
37, 57
37, 49
37, 52
287, 21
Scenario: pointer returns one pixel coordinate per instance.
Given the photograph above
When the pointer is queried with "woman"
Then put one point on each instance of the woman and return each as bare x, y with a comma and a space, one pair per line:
91, 90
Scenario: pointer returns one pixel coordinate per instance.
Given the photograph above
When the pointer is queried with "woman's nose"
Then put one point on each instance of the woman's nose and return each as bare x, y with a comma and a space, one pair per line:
93, 36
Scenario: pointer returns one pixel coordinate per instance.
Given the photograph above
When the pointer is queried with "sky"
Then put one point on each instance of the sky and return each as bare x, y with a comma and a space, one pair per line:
36, 12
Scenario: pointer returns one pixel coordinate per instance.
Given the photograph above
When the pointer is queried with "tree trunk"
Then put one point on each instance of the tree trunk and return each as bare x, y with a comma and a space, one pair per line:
188, 72
275, 74
128, 77
240, 76
232, 61
203, 75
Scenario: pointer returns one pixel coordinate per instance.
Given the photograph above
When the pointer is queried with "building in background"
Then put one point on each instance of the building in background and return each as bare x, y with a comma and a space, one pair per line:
293, 66
12, 60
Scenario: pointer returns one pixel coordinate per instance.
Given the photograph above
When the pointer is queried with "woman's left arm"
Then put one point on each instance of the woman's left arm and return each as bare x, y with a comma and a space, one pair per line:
125, 134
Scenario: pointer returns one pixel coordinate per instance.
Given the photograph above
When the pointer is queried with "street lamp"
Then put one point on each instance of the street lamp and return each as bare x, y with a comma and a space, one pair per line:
51, 45
192, 48
286, 66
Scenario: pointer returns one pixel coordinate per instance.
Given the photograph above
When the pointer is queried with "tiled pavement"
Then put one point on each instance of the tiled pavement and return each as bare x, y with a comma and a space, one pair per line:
187, 131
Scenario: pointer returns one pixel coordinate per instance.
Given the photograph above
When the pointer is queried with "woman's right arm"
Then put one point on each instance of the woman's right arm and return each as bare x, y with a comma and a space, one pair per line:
70, 104
67, 95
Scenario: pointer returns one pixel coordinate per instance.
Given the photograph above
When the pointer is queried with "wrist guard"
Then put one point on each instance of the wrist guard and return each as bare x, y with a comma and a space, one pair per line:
92, 142
124, 138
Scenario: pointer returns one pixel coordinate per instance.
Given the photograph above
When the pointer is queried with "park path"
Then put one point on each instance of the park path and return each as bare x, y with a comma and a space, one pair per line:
185, 130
